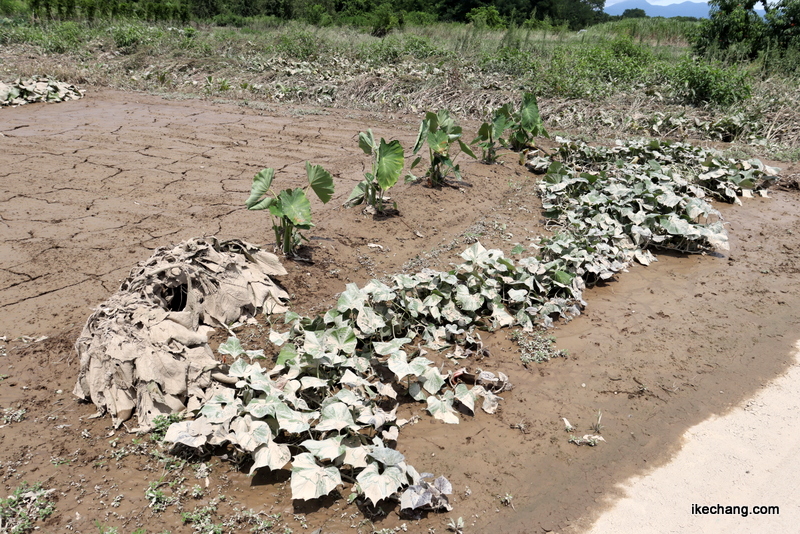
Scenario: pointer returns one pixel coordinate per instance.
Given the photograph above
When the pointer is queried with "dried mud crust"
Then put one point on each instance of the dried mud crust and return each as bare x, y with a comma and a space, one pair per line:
91, 187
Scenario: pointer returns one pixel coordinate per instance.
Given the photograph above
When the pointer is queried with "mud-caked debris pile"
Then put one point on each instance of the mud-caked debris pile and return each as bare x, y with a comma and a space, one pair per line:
145, 350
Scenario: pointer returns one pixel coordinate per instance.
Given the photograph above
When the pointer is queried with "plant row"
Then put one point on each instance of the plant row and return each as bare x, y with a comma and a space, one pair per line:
330, 404
290, 209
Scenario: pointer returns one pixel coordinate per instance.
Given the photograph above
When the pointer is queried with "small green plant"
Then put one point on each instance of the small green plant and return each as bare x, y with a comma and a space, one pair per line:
535, 347
156, 497
24, 507
568, 426
200, 518
290, 210
103, 529
387, 165
439, 131
161, 424
525, 124
490, 134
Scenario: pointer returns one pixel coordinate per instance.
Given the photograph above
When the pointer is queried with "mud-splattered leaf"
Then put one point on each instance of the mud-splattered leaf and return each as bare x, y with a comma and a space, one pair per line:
310, 480
378, 485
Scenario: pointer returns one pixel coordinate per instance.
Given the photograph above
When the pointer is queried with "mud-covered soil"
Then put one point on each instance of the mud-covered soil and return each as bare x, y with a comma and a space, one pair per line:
89, 188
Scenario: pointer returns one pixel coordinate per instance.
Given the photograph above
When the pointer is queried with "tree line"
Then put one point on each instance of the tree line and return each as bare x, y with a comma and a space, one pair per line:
383, 16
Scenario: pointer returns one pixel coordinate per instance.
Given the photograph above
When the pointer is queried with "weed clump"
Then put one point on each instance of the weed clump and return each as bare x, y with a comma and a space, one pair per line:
536, 347
26, 506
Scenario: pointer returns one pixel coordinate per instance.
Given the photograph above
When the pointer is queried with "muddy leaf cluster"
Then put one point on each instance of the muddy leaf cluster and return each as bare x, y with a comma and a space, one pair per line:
38, 89
616, 204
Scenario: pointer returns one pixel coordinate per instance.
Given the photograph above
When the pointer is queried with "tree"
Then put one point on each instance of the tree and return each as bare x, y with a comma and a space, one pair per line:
735, 29
635, 13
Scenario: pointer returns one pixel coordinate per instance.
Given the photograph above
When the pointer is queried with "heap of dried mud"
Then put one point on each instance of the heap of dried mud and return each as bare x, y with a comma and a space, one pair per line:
145, 350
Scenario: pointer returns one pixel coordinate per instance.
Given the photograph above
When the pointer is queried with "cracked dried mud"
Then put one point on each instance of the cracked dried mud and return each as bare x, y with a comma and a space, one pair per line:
88, 188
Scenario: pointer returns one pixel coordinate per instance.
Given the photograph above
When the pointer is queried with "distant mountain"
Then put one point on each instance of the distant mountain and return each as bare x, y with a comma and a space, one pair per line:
684, 9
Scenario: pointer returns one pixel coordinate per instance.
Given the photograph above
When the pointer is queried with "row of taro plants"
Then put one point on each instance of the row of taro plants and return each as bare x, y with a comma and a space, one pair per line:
290, 209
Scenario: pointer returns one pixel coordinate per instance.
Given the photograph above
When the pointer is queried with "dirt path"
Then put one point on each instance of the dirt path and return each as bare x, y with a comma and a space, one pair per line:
740, 463
89, 188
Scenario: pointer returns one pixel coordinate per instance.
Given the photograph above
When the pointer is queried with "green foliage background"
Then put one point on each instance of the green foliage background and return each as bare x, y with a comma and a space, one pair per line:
381, 17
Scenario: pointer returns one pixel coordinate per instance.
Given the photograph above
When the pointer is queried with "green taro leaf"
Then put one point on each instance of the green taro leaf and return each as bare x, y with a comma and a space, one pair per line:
321, 182
294, 205
261, 184
310, 480
288, 353
563, 278
438, 142
465, 148
421, 136
367, 142
530, 119
390, 164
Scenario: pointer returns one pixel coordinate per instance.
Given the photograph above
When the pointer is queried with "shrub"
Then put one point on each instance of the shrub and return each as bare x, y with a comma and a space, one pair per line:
486, 17
699, 82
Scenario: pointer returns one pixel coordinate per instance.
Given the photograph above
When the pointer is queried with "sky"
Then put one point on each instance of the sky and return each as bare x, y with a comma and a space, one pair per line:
653, 2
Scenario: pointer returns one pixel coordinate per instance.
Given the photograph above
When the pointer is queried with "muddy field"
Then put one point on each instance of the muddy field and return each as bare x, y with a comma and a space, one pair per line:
89, 188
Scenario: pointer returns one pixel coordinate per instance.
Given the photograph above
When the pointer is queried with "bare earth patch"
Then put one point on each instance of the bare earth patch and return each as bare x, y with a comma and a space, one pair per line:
90, 187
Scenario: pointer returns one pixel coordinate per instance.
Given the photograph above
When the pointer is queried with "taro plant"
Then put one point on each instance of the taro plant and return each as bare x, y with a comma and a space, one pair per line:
387, 165
290, 210
439, 131
490, 134
526, 124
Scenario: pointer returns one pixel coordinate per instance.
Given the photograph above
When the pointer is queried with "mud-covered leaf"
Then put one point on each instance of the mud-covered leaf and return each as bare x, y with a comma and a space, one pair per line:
272, 455
310, 480
387, 456
442, 409
335, 416
390, 347
378, 485
326, 449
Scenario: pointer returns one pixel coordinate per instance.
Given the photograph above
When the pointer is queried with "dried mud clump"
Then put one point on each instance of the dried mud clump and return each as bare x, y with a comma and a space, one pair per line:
146, 348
